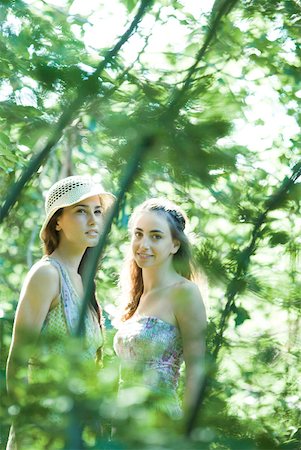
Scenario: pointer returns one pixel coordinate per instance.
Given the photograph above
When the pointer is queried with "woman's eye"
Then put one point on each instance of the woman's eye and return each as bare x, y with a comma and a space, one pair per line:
137, 234
156, 237
81, 211
98, 211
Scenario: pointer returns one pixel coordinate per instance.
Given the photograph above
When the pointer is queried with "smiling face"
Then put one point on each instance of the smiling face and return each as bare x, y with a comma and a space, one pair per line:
152, 242
81, 224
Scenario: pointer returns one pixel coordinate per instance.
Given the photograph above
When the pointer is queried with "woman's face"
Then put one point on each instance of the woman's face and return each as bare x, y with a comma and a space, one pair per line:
152, 242
82, 223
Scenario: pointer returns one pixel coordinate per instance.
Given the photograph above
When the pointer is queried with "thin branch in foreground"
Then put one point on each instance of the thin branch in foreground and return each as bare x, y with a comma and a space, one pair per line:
233, 287
217, 14
83, 93
132, 169
170, 114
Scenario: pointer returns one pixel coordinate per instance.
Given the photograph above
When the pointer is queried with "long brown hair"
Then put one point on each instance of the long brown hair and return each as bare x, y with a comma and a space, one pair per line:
50, 235
51, 239
131, 280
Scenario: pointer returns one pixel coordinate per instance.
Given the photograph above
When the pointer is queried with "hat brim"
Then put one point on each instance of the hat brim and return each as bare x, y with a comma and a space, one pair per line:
107, 200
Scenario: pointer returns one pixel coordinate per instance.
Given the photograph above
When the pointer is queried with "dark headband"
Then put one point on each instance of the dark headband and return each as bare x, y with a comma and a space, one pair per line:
178, 218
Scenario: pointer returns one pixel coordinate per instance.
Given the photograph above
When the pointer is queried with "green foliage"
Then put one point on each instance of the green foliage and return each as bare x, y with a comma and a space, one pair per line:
223, 145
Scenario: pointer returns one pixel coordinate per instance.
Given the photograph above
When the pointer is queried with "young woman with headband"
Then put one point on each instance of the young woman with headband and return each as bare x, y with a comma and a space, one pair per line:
164, 319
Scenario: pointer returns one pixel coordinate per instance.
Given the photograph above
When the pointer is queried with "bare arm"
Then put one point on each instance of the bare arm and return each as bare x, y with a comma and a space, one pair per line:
190, 313
40, 289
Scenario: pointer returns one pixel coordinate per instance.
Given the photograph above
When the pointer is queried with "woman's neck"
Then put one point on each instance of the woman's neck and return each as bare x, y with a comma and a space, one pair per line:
70, 259
156, 279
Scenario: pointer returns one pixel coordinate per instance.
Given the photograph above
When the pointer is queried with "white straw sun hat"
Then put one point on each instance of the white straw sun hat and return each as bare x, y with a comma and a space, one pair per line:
71, 190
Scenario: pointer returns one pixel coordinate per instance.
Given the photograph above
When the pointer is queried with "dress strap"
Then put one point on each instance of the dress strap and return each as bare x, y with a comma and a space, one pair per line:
68, 294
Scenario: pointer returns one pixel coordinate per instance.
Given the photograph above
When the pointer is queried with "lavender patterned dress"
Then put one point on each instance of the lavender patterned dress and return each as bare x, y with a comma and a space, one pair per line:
151, 352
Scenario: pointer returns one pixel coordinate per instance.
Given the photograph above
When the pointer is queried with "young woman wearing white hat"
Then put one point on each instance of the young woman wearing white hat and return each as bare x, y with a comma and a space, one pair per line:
50, 300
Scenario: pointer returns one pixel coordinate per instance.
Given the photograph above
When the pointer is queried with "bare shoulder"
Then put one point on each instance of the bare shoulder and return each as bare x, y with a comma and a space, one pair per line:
42, 276
187, 301
43, 270
40, 289
186, 289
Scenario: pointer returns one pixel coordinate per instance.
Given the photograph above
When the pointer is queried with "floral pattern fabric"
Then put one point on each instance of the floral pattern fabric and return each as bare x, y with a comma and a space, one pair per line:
152, 348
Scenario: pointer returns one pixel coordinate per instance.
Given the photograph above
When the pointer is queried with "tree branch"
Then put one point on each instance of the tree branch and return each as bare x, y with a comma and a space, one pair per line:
217, 14
242, 267
82, 94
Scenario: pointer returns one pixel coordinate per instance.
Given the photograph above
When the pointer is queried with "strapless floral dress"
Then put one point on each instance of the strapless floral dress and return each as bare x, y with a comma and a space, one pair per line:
151, 354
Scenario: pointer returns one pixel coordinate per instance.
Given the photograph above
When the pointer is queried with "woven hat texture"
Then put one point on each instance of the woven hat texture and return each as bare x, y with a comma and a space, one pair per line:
71, 190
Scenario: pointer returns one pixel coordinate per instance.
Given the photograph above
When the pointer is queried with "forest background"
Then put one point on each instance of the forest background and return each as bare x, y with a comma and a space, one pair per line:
198, 101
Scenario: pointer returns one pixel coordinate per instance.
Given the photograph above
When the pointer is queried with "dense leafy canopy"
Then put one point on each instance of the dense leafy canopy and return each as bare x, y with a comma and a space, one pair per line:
208, 96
